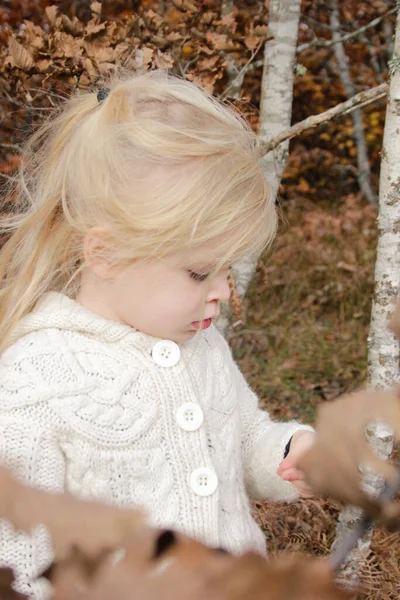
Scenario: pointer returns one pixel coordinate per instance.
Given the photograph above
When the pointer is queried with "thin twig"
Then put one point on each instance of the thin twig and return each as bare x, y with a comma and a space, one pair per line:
10, 147
317, 43
48, 93
318, 23
8, 177
357, 101
240, 73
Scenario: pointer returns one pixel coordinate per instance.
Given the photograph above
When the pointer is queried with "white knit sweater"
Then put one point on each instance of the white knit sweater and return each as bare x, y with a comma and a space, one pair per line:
94, 407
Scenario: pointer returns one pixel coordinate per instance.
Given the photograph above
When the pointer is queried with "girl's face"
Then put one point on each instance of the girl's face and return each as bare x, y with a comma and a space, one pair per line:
163, 298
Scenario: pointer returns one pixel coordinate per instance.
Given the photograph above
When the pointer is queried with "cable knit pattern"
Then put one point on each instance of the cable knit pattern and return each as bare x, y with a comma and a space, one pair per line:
85, 407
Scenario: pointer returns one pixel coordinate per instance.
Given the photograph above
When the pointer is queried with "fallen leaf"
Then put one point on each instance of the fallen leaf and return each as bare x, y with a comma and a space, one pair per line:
95, 7
43, 65
51, 12
93, 27
66, 46
21, 57
6, 582
252, 42
185, 5
74, 27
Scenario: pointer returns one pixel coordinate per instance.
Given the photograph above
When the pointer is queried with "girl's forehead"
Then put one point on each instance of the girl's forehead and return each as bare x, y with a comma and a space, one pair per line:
205, 256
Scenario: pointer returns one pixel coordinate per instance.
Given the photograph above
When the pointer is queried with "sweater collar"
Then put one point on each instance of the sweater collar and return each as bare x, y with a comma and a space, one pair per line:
58, 311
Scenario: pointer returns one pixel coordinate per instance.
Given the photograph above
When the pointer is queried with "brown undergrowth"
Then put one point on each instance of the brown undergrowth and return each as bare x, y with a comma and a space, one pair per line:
305, 342
308, 308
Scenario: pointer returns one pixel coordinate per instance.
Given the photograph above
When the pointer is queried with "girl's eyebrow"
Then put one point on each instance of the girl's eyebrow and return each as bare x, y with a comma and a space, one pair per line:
203, 267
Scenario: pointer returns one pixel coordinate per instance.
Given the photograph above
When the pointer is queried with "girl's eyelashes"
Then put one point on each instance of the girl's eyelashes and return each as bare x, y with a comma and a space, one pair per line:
198, 276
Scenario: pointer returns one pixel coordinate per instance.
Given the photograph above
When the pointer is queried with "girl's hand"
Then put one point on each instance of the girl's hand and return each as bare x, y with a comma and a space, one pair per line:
301, 442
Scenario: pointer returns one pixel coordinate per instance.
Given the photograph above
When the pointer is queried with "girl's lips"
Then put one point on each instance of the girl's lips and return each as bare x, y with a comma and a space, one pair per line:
201, 324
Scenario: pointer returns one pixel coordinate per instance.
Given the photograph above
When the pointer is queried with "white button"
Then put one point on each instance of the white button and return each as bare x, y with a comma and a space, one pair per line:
203, 481
166, 353
189, 416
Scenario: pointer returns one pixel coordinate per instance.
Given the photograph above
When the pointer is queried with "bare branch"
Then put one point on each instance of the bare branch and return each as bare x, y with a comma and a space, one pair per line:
357, 101
364, 170
318, 23
237, 75
317, 43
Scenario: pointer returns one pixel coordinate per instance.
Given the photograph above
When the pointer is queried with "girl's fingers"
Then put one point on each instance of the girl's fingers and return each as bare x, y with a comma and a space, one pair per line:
292, 475
288, 463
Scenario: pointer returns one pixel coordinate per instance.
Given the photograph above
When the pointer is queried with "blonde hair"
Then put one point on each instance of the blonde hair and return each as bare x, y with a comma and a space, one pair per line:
159, 163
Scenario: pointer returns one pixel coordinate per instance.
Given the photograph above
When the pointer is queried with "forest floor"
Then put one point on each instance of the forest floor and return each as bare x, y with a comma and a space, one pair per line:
304, 341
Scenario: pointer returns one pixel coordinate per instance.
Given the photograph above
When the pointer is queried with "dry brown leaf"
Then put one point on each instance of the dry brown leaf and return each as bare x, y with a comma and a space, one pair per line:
163, 60
174, 36
34, 36
21, 57
6, 590
44, 65
66, 46
94, 27
187, 569
252, 41
218, 40
142, 58
73, 524
98, 53
260, 30
89, 66
95, 7
229, 20
185, 5
208, 64
51, 12
332, 465
74, 27
235, 299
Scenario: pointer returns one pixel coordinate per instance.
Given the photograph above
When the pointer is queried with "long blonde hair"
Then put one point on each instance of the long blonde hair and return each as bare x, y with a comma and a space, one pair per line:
164, 166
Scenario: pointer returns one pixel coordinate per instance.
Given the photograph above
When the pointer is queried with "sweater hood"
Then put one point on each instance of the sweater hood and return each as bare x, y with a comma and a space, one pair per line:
58, 311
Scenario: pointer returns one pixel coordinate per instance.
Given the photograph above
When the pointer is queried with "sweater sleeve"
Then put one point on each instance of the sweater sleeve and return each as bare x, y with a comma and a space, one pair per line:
263, 446
32, 454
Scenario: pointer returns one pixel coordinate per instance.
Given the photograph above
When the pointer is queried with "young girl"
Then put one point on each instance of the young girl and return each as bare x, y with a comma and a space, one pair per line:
136, 200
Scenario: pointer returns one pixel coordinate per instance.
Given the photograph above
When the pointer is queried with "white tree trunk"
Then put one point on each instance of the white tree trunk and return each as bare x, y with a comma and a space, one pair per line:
276, 106
277, 83
383, 347
364, 174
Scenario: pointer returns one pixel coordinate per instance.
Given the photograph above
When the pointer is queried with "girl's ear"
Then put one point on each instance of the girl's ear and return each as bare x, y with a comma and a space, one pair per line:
98, 254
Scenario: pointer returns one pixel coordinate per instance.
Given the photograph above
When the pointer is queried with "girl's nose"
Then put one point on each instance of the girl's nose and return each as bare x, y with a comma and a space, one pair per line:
219, 288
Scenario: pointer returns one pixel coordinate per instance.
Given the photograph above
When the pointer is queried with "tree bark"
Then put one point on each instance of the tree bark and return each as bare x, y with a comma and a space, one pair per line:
276, 106
383, 347
364, 174
277, 83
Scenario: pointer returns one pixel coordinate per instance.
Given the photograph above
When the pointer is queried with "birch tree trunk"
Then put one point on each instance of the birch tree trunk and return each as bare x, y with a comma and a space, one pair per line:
364, 174
383, 347
275, 109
